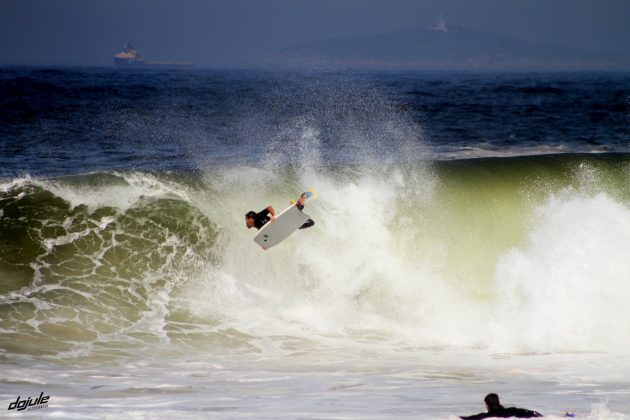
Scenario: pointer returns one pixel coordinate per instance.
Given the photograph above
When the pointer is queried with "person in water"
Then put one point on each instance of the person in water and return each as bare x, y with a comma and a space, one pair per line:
495, 409
260, 219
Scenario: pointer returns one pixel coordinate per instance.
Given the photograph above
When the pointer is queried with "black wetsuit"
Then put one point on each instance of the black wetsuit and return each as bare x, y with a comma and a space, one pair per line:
262, 217
504, 412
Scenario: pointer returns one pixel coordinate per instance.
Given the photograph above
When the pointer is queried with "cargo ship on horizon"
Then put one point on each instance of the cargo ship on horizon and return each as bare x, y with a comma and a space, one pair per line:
130, 58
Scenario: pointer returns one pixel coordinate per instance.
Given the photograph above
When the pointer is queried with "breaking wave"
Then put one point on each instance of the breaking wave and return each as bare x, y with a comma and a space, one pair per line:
522, 255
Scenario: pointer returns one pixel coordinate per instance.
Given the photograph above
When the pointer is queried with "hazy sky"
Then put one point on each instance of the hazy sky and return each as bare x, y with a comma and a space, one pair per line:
221, 32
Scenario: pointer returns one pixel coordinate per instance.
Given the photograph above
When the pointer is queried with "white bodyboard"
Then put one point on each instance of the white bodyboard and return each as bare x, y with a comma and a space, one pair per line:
274, 232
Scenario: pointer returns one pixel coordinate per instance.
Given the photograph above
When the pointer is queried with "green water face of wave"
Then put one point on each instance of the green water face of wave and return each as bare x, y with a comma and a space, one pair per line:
481, 208
91, 275
74, 274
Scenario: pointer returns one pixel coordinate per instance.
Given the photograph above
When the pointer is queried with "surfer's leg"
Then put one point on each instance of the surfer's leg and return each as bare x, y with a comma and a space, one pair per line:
300, 201
307, 224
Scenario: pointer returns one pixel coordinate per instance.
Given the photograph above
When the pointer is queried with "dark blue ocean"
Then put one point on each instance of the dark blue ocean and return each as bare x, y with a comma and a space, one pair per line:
472, 235
61, 121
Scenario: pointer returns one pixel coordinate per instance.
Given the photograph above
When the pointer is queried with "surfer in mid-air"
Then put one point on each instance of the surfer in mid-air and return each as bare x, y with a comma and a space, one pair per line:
260, 219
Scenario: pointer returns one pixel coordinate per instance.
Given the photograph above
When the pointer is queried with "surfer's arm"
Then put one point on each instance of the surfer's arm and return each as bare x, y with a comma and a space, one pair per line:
272, 212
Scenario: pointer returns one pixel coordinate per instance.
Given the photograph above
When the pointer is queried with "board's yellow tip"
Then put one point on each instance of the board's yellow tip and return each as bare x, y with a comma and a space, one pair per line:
293, 202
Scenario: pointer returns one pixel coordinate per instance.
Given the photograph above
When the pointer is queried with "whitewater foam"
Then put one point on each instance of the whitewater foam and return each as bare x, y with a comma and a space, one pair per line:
565, 289
342, 279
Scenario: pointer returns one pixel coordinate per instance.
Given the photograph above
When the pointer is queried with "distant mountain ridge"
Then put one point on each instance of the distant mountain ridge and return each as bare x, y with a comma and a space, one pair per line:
446, 48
